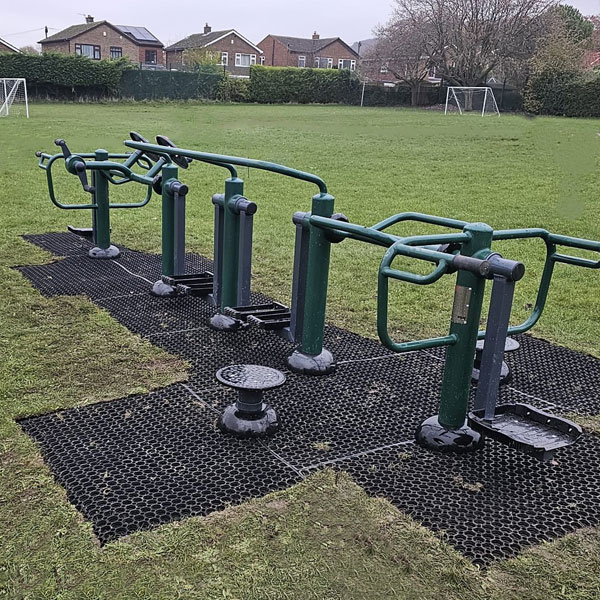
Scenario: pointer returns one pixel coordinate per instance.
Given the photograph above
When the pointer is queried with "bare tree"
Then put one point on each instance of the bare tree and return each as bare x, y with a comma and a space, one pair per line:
401, 49
467, 39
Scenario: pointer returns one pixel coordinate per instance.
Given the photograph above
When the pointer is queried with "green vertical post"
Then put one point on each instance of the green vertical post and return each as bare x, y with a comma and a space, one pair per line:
169, 173
465, 326
448, 431
102, 210
231, 229
103, 247
311, 357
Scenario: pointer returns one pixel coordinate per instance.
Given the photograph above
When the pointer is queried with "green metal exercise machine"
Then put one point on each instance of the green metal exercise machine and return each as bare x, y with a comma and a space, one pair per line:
468, 251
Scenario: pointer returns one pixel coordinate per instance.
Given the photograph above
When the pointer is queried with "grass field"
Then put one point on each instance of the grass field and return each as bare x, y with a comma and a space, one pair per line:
323, 538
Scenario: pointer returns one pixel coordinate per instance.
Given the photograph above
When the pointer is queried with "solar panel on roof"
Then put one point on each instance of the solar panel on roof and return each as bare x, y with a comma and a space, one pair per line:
139, 33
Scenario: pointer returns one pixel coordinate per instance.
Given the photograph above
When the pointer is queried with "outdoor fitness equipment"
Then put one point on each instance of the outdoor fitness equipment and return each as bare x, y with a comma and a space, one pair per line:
468, 252
105, 170
230, 283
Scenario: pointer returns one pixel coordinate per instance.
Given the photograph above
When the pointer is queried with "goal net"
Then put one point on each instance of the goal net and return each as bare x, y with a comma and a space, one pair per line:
13, 97
477, 100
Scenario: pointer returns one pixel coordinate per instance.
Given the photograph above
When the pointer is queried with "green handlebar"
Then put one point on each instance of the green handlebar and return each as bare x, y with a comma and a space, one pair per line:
221, 159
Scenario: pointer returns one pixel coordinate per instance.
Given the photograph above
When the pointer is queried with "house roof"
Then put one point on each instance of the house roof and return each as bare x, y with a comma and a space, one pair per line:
138, 35
201, 40
8, 45
362, 47
308, 45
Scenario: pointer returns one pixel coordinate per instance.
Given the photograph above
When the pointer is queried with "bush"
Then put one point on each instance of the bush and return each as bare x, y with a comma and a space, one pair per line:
566, 93
274, 85
233, 89
64, 75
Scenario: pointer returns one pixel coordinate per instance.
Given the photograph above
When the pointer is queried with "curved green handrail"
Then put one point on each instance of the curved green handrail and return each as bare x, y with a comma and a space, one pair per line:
218, 159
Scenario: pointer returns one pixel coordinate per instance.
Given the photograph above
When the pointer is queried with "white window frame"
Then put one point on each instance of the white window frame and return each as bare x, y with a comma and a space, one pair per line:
262, 60
352, 66
238, 59
302, 59
224, 59
320, 59
383, 68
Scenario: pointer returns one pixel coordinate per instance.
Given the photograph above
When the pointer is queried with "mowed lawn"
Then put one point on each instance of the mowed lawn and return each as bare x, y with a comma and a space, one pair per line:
323, 538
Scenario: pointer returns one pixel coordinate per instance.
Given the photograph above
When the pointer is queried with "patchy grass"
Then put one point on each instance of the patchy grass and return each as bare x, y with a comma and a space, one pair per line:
323, 538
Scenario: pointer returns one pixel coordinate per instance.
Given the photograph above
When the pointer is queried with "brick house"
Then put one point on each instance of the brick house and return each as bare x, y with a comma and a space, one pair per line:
6, 47
325, 53
234, 52
98, 40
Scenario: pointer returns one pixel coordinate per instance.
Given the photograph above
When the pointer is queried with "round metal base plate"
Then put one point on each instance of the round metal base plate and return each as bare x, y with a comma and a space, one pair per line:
505, 374
104, 253
432, 435
321, 364
509, 346
247, 425
163, 290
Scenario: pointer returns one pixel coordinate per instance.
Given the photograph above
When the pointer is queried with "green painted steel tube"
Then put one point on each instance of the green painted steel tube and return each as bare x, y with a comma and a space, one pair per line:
317, 278
169, 173
466, 314
234, 160
234, 187
421, 218
102, 206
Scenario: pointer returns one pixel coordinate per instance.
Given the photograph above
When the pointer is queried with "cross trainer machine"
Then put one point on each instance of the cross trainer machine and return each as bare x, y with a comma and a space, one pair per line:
100, 204
531, 430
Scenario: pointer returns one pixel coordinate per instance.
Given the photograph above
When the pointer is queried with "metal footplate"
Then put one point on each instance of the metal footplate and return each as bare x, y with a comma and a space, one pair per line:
272, 316
193, 284
85, 232
526, 428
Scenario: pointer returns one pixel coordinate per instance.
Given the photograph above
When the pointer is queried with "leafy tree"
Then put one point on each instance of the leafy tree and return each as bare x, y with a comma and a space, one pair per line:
577, 27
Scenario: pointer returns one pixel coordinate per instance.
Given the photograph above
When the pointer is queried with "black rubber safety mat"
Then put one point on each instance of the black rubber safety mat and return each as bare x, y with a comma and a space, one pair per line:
133, 463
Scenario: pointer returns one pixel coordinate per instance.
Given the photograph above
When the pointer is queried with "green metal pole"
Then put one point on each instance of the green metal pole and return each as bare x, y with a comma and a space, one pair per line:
102, 210
311, 357
103, 247
231, 229
466, 315
169, 173
448, 431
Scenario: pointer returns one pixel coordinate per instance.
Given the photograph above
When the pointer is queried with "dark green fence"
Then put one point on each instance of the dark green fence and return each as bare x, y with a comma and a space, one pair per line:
169, 85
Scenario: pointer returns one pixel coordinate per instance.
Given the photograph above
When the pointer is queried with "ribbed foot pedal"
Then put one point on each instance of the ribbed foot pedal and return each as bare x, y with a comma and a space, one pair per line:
527, 429
198, 284
270, 316
85, 232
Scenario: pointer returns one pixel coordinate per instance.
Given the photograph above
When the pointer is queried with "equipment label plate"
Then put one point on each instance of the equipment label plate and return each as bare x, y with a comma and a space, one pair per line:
460, 310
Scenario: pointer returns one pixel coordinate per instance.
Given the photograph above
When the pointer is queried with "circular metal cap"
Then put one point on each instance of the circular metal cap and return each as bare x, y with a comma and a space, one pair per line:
250, 377
509, 346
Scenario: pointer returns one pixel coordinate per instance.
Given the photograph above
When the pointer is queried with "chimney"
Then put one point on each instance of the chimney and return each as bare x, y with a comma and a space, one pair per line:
315, 36
89, 19
207, 28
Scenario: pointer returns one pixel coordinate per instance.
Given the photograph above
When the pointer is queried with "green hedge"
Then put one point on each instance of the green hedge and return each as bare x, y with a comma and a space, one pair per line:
274, 85
59, 74
564, 93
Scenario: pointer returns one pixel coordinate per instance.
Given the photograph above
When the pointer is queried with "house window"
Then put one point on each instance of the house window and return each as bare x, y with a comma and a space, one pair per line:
88, 50
245, 60
116, 52
302, 61
262, 60
324, 63
383, 69
150, 57
224, 59
346, 63
432, 74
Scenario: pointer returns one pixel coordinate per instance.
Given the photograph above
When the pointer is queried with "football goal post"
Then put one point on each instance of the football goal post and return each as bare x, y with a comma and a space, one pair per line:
13, 97
477, 100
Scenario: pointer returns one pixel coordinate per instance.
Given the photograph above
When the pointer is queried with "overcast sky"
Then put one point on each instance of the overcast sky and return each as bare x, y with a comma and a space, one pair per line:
352, 20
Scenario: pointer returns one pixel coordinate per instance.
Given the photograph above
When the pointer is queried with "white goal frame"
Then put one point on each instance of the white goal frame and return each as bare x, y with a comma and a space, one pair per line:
488, 93
9, 86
